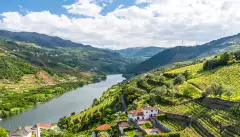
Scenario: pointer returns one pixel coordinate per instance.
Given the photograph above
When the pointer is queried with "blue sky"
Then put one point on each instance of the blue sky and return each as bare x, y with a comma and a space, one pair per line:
54, 6
121, 24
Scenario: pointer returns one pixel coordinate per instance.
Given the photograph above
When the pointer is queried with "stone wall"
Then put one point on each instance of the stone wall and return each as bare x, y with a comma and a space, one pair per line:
178, 117
159, 125
216, 103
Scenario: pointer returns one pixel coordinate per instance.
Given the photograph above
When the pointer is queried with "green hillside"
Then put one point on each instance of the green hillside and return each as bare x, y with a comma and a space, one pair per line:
184, 53
178, 90
144, 52
47, 50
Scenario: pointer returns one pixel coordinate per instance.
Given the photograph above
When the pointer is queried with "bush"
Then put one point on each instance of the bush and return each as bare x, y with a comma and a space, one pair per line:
159, 91
147, 125
172, 134
179, 79
221, 60
161, 117
3, 132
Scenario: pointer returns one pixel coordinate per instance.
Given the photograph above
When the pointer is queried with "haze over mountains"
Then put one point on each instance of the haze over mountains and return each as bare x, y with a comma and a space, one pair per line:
145, 52
184, 53
140, 59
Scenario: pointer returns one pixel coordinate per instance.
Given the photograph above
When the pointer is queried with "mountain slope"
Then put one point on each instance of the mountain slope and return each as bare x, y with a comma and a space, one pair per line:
146, 52
212, 106
82, 57
39, 39
182, 53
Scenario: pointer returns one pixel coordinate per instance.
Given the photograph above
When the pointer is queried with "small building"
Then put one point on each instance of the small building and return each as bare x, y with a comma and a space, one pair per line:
136, 114
144, 113
103, 127
29, 131
22, 132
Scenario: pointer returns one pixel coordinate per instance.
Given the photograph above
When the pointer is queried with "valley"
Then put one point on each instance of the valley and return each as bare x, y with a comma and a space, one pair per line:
73, 89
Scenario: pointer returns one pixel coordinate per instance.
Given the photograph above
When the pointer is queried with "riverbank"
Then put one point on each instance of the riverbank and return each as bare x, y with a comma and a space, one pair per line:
74, 101
13, 103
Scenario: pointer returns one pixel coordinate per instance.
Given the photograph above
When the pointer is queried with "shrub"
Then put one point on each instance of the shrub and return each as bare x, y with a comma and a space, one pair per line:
147, 125
3, 132
221, 60
172, 134
159, 91
161, 117
162, 80
179, 79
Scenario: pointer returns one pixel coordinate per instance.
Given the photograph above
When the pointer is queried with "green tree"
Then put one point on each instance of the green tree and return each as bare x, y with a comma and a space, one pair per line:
3, 132
159, 91
162, 80
179, 80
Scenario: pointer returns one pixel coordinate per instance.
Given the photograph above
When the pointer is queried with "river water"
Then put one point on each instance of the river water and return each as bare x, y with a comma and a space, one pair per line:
73, 101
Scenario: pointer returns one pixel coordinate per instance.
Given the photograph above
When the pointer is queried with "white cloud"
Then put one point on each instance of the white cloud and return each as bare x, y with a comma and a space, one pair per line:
160, 23
84, 7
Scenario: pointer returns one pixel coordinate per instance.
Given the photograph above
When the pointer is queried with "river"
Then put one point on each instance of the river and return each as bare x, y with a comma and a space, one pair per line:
73, 101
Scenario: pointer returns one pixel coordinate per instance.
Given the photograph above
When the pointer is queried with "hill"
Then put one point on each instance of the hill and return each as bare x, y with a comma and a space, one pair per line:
181, 53
197, 99
40, 47
145, 52
39, 39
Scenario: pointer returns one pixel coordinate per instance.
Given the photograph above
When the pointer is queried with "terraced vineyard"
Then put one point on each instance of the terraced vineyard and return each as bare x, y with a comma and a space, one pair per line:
174, 126
210, 126
192, 68
192, 131
190, 109
221, 75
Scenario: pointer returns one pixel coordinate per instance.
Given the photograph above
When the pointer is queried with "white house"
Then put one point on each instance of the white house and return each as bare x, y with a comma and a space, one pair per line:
28, 131
144, 113
22, 132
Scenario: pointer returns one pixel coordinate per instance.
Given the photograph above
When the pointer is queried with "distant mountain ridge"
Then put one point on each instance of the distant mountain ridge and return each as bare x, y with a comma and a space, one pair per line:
40, 39
184, 53
140, 51
79, 56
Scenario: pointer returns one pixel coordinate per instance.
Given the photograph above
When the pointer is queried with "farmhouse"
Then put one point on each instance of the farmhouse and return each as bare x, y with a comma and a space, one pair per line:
29, 131
144, 113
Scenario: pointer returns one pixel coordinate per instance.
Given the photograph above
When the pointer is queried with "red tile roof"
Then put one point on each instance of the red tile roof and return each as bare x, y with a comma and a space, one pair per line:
103, 127
44, 126
136, 112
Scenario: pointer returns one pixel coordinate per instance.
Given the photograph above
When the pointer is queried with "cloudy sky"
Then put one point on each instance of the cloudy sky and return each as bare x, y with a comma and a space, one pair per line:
120, 24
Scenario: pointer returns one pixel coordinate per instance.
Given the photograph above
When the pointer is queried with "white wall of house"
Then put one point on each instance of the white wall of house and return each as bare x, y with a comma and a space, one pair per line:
138, 117
150, 113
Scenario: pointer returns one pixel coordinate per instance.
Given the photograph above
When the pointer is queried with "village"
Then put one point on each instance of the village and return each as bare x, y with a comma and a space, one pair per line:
141, 122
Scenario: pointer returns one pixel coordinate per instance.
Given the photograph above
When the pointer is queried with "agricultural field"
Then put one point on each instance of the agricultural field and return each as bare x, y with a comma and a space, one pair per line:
192, 68
174, 126
227, 75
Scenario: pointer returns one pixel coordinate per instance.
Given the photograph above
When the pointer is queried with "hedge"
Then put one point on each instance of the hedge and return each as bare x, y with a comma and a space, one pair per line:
161, 117
172, 134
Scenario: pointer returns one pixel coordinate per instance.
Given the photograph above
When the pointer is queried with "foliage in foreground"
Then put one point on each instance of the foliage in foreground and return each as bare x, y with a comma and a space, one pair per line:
3, 132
